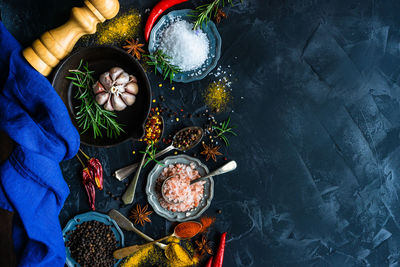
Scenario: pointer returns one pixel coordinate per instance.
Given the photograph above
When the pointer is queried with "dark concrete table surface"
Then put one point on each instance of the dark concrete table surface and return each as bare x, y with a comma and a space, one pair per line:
316, 104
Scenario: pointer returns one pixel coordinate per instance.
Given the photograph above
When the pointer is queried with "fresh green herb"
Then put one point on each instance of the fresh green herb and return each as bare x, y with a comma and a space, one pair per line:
160, 59
90, 114
150, 152
206, 12
224, 129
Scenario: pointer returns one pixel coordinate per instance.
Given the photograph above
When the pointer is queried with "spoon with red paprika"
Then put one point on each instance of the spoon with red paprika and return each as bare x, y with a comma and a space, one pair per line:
184, 230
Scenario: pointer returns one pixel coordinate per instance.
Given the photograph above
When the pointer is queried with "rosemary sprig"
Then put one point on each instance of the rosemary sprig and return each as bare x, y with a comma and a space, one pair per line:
160, 59
90, 114
225, 128
150, 152
204, 13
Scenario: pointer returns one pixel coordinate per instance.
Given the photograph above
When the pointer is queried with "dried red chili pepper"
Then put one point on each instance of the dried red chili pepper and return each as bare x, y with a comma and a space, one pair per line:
96, 171
87, 181
157, 10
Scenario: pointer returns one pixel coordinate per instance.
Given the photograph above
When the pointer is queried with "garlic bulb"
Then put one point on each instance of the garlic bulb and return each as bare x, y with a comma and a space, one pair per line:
116, 89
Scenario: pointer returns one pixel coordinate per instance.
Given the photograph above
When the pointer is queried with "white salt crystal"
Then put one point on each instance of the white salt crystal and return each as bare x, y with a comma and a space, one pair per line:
187, 48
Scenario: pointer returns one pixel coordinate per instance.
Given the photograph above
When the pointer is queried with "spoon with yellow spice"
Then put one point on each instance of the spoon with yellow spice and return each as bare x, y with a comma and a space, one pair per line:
184, 230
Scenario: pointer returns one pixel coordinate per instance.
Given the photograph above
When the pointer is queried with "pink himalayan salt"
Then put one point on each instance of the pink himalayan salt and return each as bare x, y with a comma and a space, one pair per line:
178, 188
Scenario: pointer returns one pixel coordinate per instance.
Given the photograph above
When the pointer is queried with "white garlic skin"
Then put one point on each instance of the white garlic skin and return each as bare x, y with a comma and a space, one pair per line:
116, 89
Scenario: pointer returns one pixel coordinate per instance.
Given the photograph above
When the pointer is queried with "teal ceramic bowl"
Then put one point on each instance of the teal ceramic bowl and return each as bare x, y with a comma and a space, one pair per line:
91, 216
153, 189
213, 37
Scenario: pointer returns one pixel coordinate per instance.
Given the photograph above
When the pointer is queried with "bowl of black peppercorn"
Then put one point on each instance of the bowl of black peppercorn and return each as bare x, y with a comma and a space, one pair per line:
90, 240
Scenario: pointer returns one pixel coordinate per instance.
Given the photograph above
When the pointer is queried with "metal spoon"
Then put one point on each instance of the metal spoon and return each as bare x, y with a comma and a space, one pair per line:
122, 173
126, 251
230, 166
129, 194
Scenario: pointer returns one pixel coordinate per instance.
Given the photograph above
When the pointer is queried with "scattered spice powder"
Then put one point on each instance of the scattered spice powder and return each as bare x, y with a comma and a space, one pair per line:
149, 255
120, 28
206, 222
217, 95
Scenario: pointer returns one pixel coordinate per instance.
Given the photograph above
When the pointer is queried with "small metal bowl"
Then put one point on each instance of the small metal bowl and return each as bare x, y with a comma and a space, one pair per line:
153, 190
210, 30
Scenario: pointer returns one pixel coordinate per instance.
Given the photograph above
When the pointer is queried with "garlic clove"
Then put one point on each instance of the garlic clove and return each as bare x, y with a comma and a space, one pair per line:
132, 88
115, 72
106, 80
120, 88
128, 98
102, 98
98, 88
132, 79
117, 103
108, 105
122, 79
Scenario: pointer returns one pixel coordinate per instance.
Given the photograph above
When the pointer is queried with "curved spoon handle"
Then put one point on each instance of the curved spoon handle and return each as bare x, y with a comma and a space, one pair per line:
127, 197
124, 172
164, 151
126, 251
230, 166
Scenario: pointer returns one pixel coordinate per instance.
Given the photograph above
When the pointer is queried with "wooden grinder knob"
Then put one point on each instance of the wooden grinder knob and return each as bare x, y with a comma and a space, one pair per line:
47, 51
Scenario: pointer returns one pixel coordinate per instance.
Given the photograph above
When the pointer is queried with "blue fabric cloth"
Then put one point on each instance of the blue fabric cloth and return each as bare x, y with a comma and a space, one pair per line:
31, 182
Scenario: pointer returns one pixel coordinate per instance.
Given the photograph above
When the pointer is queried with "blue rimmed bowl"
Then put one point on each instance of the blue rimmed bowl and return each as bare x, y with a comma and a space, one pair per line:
91, 216
153, 189
210, 30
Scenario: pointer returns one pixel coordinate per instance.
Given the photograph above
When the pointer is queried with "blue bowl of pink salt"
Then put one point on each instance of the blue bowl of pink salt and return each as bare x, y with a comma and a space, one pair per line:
194, 51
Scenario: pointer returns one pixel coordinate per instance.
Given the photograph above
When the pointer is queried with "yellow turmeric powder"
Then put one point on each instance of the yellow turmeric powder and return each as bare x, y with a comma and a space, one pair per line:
217, 95
120, 28
173, 256
177, 256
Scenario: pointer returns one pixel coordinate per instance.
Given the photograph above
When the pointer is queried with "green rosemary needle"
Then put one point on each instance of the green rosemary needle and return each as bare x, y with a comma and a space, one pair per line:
204, 13
150, 153
163, 61
90, 114
224, 129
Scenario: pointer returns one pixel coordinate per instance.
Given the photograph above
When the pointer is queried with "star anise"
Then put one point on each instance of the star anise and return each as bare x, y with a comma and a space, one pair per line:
203, 247
134, 48
140, 215
220, 15
210, 152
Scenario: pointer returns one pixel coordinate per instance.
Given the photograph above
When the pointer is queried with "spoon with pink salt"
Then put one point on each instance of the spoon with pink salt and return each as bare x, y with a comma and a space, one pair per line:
173, 186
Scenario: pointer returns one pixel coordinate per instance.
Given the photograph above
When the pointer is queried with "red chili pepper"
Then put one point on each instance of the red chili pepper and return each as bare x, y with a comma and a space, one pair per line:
87, 181
156, 12
219, 258
209, 262
96, 171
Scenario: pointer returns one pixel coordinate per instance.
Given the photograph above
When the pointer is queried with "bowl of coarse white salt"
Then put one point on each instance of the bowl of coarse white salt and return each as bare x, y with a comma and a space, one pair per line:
194, 51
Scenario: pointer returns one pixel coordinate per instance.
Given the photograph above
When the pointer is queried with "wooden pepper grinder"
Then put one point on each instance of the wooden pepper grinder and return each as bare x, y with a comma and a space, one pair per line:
47, 51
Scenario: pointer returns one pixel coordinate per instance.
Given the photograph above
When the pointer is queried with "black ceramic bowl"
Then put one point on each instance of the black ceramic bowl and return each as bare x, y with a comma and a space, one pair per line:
100, 60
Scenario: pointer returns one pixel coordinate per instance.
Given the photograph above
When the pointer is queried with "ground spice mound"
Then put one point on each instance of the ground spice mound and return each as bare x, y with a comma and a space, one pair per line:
120, 28
217, 95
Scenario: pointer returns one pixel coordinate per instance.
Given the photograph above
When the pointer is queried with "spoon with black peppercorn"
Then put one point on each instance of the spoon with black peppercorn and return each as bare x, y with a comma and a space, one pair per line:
183, 140
171, 193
